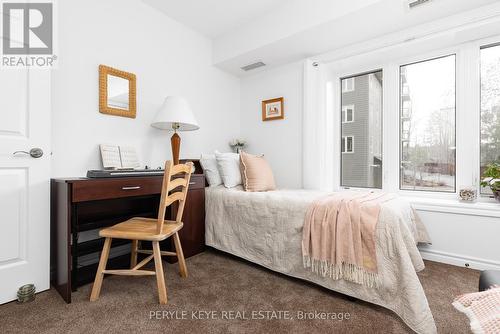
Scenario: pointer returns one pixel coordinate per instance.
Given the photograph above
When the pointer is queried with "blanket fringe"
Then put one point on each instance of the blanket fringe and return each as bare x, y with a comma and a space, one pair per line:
345, 271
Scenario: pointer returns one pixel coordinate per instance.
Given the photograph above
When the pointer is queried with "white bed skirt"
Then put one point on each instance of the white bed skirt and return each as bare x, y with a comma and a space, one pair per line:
266, 229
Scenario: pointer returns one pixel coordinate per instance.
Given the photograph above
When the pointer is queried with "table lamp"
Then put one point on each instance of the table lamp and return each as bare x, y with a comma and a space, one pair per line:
175, 114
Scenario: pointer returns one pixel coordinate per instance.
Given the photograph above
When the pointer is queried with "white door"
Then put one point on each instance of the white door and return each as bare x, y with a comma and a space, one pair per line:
24, 180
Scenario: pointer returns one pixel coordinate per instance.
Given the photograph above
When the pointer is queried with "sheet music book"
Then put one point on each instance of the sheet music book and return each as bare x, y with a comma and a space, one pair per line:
119, 157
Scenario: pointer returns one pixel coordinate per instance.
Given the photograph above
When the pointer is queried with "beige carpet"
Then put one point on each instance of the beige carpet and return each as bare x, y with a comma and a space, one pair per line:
218, 282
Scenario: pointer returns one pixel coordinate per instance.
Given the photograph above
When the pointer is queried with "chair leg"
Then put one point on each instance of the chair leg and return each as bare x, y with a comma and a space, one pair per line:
133, 254
96, 289
160, 278
180, 256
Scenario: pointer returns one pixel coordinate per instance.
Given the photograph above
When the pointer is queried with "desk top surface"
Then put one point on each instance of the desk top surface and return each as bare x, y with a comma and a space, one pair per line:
117, 179
198, 173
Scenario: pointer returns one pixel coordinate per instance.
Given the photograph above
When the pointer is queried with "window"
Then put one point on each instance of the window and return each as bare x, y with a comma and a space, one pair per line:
427, 125
490, 107
406, 105
347, 85
440, 113
348, 144
361, 134
348, 114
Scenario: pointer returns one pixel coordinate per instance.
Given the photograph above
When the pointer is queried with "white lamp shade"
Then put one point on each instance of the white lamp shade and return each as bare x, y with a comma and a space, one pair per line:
175, 112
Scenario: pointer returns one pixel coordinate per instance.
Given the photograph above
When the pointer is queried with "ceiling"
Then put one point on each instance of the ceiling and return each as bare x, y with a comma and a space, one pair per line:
213, 18
277, 32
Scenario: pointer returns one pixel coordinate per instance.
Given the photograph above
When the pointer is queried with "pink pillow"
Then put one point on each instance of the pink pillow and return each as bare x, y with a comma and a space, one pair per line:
256, 173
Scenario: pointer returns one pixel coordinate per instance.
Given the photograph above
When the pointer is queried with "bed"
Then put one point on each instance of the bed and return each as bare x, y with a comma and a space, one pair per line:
266, 228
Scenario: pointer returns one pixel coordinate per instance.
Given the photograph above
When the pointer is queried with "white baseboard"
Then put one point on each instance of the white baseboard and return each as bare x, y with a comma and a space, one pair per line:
459, 260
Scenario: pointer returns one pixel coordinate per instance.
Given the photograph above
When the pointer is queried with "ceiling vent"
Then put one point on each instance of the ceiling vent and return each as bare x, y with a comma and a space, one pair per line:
253, 66
414, 3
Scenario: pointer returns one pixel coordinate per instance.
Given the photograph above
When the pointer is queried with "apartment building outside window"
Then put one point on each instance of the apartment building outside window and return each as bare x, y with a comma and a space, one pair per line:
361, 130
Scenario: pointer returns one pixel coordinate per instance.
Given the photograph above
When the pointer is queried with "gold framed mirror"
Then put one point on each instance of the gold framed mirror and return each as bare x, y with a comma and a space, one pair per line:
117, 92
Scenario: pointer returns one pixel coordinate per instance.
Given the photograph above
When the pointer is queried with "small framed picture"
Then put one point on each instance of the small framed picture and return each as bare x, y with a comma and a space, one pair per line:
273, 109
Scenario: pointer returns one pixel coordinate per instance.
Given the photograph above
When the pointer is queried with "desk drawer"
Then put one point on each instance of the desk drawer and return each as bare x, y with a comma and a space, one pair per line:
197, 181
115, 188
98, 189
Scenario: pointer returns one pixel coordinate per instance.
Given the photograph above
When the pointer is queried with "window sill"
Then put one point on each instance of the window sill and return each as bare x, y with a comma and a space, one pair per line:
483, 207
445, 203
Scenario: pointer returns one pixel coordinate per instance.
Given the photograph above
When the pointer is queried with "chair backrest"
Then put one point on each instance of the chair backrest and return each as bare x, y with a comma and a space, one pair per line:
170, 184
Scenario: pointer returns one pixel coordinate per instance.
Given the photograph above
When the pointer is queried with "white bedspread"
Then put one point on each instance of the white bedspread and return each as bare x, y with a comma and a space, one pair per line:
266, 228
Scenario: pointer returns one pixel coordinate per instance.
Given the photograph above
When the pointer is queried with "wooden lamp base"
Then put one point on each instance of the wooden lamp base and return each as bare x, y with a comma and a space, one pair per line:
175, 141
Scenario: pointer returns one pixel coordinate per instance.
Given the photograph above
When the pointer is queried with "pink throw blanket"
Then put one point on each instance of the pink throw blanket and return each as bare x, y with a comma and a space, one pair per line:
338, 238
483, 310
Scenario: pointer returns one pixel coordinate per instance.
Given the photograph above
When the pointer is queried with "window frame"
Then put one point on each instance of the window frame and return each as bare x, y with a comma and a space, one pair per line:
345, 88
400, 97
467, 95
344, 111
335, 82
344, 145
484, 44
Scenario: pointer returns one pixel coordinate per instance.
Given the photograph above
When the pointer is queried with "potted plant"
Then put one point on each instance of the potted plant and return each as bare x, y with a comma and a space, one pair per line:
491, 178
237, 145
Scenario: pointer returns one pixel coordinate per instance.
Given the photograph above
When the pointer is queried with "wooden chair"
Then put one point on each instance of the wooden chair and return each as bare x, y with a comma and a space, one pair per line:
147, 229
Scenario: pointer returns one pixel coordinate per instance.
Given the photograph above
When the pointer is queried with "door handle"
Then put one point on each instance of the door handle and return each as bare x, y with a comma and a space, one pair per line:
34, 152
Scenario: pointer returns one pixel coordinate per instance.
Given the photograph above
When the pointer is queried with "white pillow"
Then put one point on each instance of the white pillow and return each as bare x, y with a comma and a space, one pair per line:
209, 165
229, 168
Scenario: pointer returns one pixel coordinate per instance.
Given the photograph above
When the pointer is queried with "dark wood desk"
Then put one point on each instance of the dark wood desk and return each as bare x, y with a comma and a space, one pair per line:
81, 204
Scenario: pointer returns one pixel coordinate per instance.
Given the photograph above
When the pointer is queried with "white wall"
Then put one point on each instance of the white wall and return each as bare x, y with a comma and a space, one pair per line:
463, 234
168, 59
280, 140
465, 239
